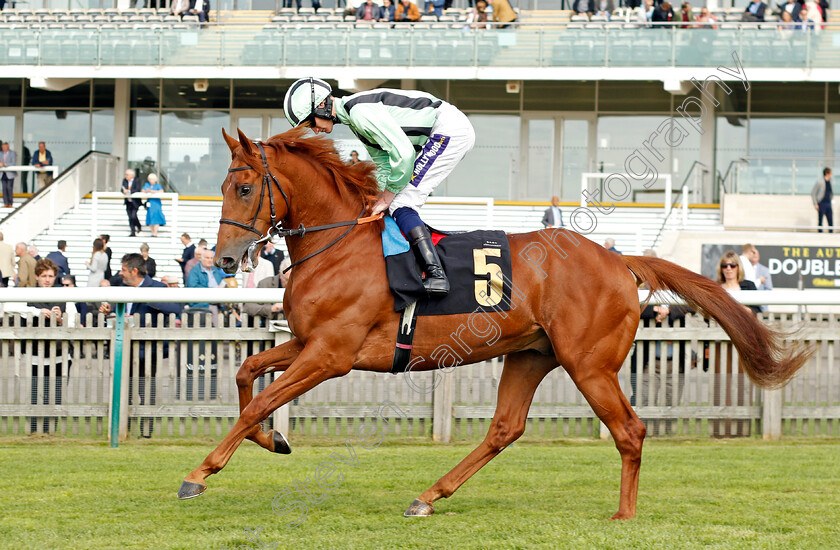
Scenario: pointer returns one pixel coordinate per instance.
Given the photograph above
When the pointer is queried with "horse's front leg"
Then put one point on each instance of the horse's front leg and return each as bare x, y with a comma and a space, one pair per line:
274, 359
315, 363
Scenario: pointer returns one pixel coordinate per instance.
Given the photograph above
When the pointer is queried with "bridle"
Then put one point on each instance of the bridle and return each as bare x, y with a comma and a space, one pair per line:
276, 227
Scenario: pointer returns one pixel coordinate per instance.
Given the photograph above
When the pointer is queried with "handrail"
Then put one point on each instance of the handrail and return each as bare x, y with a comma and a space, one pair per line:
42, 210
682, 198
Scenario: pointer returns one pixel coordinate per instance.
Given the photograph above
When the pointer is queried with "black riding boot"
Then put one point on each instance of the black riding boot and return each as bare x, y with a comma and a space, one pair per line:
435, 282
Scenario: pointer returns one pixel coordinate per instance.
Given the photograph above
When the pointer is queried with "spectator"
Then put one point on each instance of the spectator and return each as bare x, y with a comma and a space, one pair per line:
478, 19
154, 210
187, 254
205, 276
180, 7
200, 8
609, 244
268, 310
131, 184
134, 274
582, 7
553, 216
316, 5
26, 267
821, 196
274, 256
46, 365
730, 275
202, 245
8, 158
761, 273
706, 20
809, 19
60, 260
754, 12
645, 14
503, 13
663, 14
434, 7
7, 262
352, 6
604, 8
34, 252
108, 252
170, 280
792, 7
386, 15
82, 308
264, 269
406, 12
97, 263
369, 11
815, 11
151, 266
42, 158
787, 25
686, 15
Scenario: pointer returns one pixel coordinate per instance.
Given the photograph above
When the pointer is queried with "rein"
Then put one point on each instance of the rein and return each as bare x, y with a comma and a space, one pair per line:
276, 227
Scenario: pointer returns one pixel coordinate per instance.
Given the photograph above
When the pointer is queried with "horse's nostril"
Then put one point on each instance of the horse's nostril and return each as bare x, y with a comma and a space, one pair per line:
227, 260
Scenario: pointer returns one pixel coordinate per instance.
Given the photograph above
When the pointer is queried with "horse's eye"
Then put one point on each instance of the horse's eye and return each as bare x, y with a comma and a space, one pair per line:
245, 190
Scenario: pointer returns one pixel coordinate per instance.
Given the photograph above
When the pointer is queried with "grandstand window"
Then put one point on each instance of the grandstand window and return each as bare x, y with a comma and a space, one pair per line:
66, 133
633, 96
257, 94
538, 182
482, 95
575, 157
102, 130
558, 96
103, 93
787, 97
145, 93
144, 129
74, 96
197, 135
182, 94
7, 128
784, 137
11, 92
730, 141
491, 169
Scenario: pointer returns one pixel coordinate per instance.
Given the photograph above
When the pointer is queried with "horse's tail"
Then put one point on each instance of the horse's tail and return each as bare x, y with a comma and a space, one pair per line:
763, 355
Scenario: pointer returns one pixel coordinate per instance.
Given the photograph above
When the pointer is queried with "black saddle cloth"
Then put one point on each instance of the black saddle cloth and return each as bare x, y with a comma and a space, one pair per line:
477, 264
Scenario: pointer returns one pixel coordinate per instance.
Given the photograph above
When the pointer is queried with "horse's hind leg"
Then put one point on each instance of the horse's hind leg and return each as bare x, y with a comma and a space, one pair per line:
522, 373
274, 359
596, 377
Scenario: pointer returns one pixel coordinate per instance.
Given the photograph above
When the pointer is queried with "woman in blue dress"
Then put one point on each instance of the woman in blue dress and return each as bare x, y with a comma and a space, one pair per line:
154, 210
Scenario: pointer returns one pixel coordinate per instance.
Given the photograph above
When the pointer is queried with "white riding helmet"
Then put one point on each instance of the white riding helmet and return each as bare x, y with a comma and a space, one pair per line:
302, 100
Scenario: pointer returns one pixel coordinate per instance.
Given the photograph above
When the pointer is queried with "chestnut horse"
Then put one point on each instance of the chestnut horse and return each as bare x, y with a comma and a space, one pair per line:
576, 305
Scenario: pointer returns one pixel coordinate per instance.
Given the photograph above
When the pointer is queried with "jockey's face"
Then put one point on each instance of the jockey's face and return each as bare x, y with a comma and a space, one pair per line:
322, 125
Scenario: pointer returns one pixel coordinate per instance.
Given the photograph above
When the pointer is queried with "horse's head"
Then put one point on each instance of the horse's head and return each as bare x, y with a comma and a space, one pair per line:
255, 198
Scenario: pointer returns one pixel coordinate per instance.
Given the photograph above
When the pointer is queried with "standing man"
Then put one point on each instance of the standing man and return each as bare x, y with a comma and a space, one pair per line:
42, 158
60, 260
133, 273
553, 217
271, 254
26, 267
415, 139
7, 158
187, 254
821, 195
131, 184
7, 261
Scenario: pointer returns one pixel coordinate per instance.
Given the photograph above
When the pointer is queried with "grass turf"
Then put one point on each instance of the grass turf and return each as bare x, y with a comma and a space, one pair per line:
693, 494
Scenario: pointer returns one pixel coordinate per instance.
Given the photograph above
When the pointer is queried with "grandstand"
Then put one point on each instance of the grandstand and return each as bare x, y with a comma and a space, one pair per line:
552, 97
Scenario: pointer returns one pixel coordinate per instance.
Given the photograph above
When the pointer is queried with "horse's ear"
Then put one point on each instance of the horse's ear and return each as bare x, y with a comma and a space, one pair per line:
231, 142
245, 143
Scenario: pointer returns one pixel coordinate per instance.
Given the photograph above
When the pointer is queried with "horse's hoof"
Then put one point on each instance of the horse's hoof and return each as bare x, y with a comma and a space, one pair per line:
190, 490
419, 509
281, 444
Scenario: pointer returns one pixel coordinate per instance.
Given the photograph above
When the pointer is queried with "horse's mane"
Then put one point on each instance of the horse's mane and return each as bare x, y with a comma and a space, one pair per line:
357, 178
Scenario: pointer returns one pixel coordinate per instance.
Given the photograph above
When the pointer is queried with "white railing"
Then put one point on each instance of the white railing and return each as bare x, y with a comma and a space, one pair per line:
172, 219
51, 168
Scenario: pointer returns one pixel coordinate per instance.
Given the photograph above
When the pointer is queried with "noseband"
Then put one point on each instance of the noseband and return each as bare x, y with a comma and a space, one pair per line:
276, 228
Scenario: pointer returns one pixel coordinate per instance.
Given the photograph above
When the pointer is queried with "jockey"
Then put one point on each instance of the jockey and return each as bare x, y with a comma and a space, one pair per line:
415, 139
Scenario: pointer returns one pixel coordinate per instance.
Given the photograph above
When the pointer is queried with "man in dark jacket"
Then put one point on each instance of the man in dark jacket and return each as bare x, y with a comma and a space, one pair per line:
134, 274
60, 260
131, 184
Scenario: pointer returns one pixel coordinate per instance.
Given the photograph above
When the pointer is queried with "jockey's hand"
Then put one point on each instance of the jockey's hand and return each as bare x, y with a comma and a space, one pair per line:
382, 203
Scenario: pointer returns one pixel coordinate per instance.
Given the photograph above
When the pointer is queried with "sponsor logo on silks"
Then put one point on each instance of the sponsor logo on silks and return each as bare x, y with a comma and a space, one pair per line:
492, 244
433, 148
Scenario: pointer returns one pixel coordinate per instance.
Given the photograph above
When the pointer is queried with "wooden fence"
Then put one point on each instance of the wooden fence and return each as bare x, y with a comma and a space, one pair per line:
180, 382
